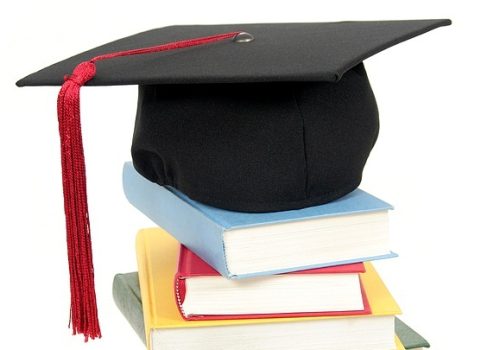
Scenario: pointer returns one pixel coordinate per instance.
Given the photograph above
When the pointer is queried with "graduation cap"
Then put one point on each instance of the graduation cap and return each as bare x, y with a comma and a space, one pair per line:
247, 117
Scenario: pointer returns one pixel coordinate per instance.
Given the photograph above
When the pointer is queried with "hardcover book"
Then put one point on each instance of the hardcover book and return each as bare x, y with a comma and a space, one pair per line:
127, 297
202, 293
165, 328
409, 337
351, 229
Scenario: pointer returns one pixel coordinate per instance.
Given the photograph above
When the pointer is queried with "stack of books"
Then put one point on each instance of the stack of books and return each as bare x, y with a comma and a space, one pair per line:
300, 279
127, 296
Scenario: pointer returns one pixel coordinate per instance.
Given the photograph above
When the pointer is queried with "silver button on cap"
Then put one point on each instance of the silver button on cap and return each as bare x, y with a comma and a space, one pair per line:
243, 37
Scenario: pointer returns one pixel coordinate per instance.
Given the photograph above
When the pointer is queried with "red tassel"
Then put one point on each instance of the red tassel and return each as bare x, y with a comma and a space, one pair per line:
83, 300
83, 312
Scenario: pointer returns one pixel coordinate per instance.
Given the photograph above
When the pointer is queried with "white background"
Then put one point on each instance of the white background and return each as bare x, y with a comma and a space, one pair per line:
436, 161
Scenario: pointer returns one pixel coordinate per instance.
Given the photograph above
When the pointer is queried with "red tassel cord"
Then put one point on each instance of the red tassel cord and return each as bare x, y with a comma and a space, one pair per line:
83, 312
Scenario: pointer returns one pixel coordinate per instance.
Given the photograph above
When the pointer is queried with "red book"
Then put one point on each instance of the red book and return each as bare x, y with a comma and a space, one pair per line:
203, 294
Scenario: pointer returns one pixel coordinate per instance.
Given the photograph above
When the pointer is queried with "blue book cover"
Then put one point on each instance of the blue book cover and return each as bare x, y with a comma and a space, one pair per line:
201, 227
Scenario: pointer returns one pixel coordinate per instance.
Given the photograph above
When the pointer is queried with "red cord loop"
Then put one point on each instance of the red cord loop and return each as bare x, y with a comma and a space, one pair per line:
82, 73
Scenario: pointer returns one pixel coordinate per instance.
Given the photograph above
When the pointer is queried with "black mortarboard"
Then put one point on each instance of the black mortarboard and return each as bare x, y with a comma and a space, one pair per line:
280, 117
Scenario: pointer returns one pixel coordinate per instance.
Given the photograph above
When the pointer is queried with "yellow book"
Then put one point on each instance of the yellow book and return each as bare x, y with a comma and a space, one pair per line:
399, 345
157, 257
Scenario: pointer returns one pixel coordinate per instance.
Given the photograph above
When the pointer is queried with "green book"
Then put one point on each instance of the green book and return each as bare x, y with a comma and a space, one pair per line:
409, 338
127, 296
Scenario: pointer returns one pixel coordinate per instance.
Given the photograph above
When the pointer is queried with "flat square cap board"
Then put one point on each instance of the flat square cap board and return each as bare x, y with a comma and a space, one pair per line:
279, 52
245, 117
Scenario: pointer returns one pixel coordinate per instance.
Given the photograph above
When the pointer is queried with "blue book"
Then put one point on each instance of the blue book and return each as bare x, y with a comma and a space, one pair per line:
351, 229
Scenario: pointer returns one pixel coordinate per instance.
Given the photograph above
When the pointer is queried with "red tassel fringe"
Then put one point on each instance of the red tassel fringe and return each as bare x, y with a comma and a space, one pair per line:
84, 318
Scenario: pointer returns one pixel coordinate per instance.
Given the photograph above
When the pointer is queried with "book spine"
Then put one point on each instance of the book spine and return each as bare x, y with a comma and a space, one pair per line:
186, 223
180, 293
146, 282
129, 303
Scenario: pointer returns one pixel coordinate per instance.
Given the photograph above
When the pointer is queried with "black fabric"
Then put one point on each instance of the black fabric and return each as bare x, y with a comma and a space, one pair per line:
283, 122
257, 146
280, 52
